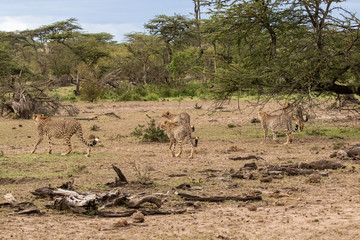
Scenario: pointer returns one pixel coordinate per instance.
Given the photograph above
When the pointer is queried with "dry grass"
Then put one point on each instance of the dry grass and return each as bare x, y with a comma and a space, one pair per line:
325, 210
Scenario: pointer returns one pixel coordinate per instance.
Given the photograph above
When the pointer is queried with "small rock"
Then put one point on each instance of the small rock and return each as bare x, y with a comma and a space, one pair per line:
314, 178
324, 174
9, 198
197, 205
252, 207
121, 223
266, 179
250, 166
138, 217
341, 154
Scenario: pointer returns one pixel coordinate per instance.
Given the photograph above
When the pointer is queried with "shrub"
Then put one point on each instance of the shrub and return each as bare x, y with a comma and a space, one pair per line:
143, 176
338, 145
91, 90
94, 128
152, 97
316, 132
255, 120
152, 133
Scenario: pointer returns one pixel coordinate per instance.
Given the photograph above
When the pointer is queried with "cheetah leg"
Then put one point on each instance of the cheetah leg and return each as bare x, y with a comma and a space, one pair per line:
301, 125
38, 142
289, 138
274, 136
192, 150
88, 152
265, 136
50, 149
67, 141
180, 150
172, 148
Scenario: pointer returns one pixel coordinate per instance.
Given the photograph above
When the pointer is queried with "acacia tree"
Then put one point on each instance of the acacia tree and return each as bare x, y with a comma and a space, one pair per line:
172, 29
31, 57
280, 46
175, 31
146, 53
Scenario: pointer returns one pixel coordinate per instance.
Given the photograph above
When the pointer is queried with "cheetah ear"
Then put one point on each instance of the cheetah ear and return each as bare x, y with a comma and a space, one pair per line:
167, 113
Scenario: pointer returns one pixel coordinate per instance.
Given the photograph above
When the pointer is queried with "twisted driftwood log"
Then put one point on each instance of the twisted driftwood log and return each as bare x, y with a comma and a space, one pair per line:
82, 203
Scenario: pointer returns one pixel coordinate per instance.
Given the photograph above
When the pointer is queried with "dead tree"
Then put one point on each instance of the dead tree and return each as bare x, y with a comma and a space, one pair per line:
25, 99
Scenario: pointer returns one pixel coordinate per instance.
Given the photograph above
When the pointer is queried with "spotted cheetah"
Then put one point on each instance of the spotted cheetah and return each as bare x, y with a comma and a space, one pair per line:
178, 118
178, 133
297, 114
277, 123
60, 129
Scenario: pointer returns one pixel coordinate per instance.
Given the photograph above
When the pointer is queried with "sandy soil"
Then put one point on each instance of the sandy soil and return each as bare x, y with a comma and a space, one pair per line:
291, 207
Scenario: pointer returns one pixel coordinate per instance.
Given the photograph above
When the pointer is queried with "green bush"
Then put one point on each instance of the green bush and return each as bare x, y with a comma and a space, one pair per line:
316, 132
91, 90
338, 145
152, 133
152, 97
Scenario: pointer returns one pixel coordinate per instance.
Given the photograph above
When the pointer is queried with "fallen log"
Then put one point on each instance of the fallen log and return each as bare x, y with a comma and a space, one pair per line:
288, 170
321, 165
87, 118
246, 158
188, 197
133, 203
111, 114
353, 151
82, 203
22, 208
145, 212
303, 168
28, 211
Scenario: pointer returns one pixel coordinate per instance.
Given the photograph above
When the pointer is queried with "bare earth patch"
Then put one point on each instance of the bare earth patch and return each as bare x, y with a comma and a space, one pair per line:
292, 207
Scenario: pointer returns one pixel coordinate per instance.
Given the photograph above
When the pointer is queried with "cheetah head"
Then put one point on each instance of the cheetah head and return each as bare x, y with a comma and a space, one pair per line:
262, 114
39, 117
166, 114
164, 124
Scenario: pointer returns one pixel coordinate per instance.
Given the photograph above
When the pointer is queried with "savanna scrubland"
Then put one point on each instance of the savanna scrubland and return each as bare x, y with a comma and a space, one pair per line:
242, 57
292, 207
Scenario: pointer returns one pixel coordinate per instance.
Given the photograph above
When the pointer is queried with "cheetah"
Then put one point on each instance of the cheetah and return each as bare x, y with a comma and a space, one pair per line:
60, 129
177, 133
296, 114
277, 123
178, 118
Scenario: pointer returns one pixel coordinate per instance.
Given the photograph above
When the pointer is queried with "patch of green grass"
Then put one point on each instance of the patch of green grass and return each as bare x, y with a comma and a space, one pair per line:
65, 94
338, 145
39, 165
331, 131
314, 148
224, 132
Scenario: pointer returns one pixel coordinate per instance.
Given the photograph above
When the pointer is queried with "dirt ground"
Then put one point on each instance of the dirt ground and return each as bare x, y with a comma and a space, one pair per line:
291, 206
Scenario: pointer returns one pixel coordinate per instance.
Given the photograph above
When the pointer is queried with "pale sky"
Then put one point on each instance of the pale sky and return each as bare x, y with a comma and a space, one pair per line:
117, 17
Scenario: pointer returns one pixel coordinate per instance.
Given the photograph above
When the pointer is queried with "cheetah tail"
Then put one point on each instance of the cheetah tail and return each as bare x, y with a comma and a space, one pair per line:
196, 141
94, 142
296, 128
193, 128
